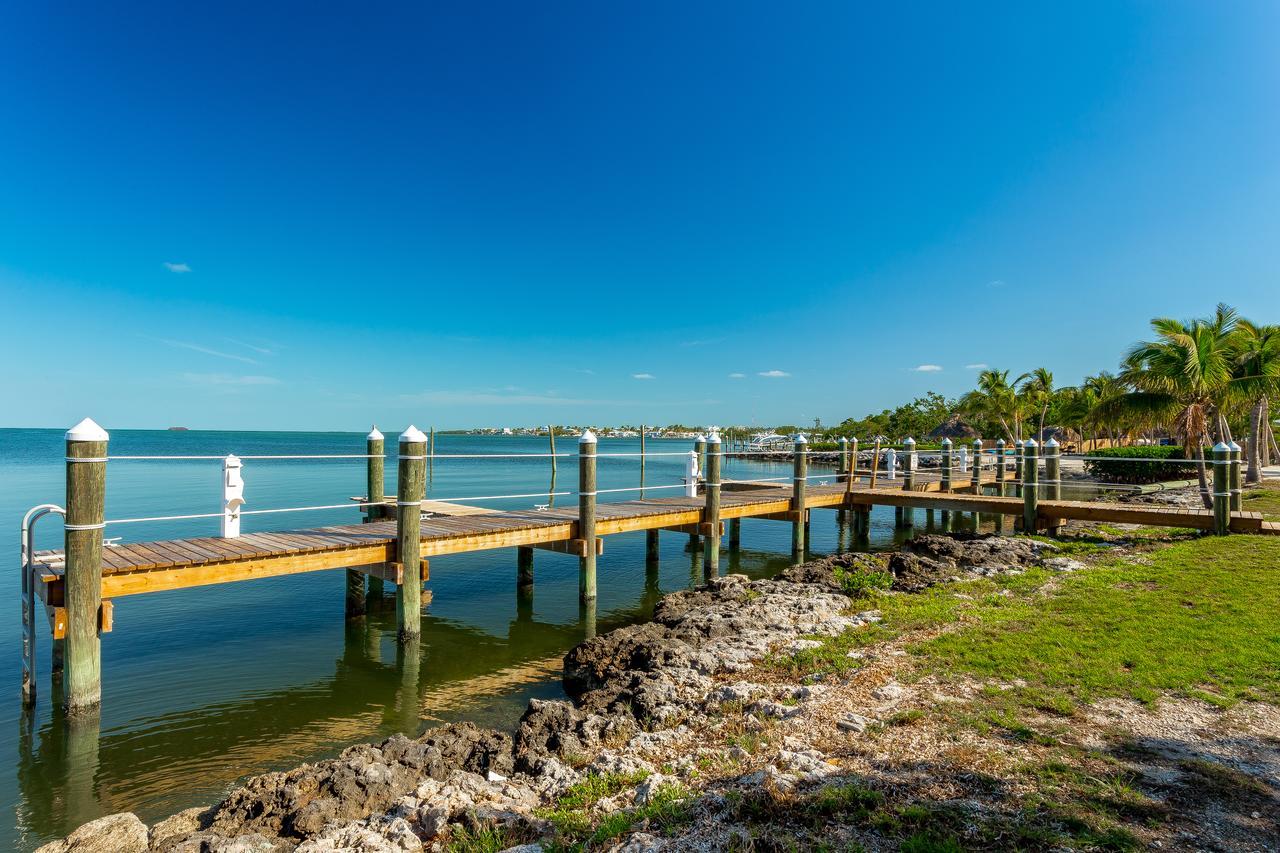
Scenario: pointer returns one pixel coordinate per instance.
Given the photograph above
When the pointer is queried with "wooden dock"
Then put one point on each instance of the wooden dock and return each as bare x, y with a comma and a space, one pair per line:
78, 584
135, 568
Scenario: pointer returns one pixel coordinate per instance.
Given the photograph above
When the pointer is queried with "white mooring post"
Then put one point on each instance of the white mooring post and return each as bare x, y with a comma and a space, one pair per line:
691, 474
232, 496
891, 464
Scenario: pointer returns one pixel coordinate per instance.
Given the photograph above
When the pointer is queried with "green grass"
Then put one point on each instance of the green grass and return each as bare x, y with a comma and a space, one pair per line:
576, 829
1264, 499
1198, 619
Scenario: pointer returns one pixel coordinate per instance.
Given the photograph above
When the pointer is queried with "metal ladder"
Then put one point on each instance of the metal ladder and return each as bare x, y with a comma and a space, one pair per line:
29, 597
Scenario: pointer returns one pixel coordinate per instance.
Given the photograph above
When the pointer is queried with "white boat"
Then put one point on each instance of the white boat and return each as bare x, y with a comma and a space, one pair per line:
770, 442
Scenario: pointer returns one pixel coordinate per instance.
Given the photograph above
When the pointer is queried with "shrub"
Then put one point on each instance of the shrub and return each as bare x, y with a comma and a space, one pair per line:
1152, 464
858, 581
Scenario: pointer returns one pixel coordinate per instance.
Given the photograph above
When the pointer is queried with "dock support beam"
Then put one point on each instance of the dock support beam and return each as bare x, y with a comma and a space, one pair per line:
652, 548
712, 514
1052, 477
411, 484
735, 535
86, 513
799, 475
1221, 489
524, 566
587, 516
375, 486
1030, 485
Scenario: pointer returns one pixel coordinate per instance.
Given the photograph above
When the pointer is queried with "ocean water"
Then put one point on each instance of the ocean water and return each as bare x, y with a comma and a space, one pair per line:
206, 686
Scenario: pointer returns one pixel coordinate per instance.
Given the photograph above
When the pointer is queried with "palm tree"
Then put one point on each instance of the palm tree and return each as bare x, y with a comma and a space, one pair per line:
1103, 390
1037, 387
1183, 379
995, 400
1257, 377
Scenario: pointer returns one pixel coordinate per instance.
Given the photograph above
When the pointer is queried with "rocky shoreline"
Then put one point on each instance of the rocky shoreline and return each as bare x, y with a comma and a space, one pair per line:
645, 698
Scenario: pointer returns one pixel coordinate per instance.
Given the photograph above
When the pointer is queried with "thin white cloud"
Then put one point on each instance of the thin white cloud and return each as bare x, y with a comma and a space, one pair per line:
980, 365
258, 349
228, 379
642, 376
737, 376
702, 343
773, 374
179, 268
206, 350
927, 368
997, 282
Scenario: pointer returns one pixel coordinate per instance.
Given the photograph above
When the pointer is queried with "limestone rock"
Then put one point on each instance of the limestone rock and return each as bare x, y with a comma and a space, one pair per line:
115, 833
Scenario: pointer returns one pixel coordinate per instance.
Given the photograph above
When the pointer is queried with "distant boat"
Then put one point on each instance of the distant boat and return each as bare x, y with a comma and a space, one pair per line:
769, 442
178, 429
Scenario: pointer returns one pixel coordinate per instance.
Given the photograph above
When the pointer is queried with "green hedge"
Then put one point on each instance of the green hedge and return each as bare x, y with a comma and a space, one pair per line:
1132, 465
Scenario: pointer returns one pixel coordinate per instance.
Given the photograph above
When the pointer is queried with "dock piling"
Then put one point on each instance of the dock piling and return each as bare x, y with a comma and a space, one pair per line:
1000, 474
524, 566
800, 471
587, 516
85, 520
1052, 477
375, 494
1237, 492
1221, 489
714, 457
410, 489
1030, 485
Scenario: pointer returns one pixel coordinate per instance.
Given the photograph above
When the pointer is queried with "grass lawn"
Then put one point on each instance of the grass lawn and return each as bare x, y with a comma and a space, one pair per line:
1264, 498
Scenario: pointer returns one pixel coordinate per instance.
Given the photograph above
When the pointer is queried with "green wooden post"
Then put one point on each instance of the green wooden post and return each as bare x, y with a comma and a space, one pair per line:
1017, 469
1052, 477
587, 516
1221, 489
946, 465
1237, 493
652, 548
551, 437
1030, 485
975, 472
82, 543
1000, 476
642, 459
411, 484
712, 514
735, 534
375, 493
800, 471
842, 461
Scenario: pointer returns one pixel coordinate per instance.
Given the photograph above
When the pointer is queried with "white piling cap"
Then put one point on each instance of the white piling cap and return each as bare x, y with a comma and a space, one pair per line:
413, 435
374, 435
87, 430
587, 437
844, 440
977, 442
714, 438
1030, 442
800, 439
1052, 442
909, 440
232, 461
1000, 442
1221, 447
1234, 447
699, 437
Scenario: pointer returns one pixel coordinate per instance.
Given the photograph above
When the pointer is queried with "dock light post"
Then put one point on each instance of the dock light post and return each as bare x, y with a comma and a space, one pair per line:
799, 474
411, 484
587, 516
82, 545
1030, 483
375, 493
1237, 492
714, 457
891, 464
1221, 488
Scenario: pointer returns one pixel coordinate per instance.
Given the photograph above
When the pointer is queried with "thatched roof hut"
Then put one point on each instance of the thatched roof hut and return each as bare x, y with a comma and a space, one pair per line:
953, 428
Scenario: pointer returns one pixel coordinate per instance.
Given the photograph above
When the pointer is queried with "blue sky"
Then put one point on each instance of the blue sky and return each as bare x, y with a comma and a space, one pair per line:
315, 217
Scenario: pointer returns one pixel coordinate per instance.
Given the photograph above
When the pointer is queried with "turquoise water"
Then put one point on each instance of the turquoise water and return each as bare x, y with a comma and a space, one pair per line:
204, 687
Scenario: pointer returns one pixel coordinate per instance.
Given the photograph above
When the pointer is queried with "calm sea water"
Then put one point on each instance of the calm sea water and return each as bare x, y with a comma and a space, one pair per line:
203, 687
